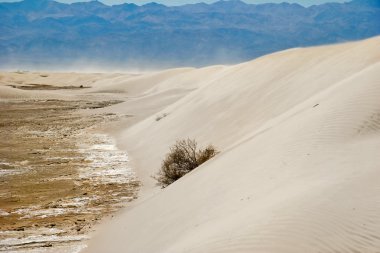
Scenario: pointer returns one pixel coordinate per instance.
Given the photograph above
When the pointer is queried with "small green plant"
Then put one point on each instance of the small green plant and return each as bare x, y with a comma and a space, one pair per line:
183, 157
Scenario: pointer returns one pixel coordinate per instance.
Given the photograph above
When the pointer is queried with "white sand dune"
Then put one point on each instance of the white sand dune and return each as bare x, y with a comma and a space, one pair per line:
299, 133
146, 95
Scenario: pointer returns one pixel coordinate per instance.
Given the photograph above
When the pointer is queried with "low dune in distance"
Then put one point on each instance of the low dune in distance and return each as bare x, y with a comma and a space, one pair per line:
299, 138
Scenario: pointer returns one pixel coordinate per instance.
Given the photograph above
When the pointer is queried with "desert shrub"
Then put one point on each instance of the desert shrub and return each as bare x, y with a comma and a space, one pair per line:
183, 157
159, 117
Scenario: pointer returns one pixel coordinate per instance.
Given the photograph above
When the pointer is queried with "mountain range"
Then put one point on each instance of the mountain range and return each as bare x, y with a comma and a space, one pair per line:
45, 33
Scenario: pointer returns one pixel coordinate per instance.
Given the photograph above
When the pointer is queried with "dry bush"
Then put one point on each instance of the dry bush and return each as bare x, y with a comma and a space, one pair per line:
159, 117
183, 157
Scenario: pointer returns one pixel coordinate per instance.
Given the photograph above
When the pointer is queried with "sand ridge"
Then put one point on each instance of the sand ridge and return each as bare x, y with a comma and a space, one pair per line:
299, 137
60, 172
298, 131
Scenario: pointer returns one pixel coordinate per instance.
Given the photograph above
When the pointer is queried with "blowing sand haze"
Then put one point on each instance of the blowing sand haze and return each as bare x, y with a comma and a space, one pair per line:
298, 170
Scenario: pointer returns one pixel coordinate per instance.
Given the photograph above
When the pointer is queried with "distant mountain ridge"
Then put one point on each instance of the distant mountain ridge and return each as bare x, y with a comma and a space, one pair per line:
45, 32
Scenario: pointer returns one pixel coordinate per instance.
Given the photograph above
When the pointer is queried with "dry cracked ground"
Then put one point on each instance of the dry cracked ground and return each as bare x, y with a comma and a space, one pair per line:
58, 176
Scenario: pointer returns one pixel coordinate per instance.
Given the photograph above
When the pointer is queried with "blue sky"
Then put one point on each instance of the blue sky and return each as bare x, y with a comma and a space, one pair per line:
180, 2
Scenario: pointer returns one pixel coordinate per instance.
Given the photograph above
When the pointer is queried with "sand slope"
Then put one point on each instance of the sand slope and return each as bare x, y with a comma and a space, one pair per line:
299, 133
299, 167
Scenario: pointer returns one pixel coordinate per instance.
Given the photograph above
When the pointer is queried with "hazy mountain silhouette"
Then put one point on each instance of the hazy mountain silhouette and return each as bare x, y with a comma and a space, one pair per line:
45, 32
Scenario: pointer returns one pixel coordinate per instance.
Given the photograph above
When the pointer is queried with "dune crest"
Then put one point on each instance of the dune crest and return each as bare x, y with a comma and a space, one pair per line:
299, 134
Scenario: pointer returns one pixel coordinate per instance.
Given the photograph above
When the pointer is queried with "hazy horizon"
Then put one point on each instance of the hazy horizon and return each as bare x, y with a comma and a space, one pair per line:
39, 34
182, 2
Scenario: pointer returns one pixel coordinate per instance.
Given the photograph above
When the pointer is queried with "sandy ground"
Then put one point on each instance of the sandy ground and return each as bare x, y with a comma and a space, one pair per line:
61, 171
299, 167
299, 137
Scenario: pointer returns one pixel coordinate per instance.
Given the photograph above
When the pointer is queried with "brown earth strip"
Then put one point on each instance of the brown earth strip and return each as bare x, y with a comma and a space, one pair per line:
41, 185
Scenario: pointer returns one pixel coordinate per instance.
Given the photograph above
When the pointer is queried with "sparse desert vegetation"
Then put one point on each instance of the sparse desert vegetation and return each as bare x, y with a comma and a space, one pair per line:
183, 157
